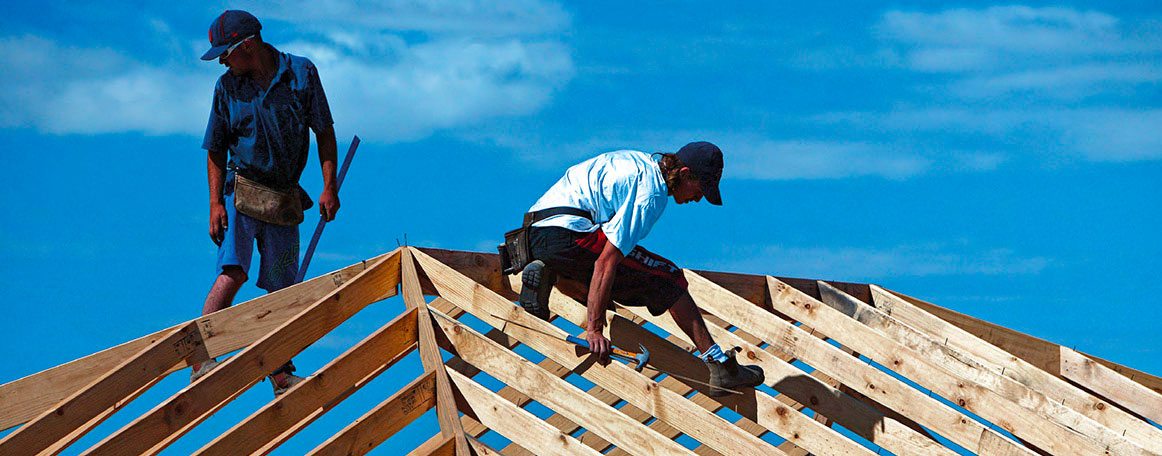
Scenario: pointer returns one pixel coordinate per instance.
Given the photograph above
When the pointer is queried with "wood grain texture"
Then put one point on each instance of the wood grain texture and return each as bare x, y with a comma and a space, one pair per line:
553, 392
430, 356
1004, 373
225, 331
384, 420
282, 418
174, 417
1109, 383
517, 424
109, 391
1043, 428
861, 377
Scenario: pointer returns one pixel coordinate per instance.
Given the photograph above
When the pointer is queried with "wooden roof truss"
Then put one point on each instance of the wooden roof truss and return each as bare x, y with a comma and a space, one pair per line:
851, 369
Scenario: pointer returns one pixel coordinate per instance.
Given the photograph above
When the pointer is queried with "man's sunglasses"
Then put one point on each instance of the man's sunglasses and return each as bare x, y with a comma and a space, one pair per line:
230, 49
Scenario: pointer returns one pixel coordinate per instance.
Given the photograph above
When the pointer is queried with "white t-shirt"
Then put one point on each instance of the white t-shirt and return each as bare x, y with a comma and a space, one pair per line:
624, 191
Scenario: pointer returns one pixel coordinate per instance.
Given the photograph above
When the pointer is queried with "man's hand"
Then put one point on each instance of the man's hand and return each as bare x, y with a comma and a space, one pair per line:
599, 345
328, 204
218, 222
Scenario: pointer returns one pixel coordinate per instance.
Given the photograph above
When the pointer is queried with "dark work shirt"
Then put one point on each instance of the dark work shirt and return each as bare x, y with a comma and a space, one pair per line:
265, 129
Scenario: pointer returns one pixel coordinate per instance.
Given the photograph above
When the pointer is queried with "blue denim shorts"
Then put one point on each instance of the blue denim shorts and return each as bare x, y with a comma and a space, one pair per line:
278, 248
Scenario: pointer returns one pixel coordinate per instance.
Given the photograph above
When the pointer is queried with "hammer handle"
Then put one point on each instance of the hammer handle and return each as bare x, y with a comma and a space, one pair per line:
584, 343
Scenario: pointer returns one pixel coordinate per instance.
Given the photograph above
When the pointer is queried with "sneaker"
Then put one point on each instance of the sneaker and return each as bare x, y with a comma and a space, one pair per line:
731, 375
537, 282
201, 370
288, 382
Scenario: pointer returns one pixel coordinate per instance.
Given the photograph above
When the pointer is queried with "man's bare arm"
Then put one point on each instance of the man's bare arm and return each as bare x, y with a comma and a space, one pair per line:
216, 174
600, 295
328, 157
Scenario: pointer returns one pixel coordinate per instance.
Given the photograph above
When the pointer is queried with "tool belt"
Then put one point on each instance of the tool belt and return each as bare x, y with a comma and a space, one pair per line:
514, 253
280, 207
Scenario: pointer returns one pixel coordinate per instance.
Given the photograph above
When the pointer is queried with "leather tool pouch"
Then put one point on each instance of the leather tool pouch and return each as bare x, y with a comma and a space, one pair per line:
267, 204
514, 253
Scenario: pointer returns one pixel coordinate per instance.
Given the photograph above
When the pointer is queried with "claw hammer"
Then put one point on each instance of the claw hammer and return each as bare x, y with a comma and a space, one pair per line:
640, 359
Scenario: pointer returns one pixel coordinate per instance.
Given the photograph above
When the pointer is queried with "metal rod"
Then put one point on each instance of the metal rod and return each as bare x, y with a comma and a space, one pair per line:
322, 221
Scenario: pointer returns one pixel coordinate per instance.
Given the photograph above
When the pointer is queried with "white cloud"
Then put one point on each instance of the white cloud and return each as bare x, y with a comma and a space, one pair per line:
745, 156
1059, 83
379, 84
476, 17
861, 264
1017, 30
804, 159
1053, 83
1059, 53
1096, 134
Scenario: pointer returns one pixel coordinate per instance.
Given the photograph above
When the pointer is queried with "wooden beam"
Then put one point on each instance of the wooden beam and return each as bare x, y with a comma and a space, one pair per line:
171, 419
1006, 374
430, 355
1038, 352
1109, 383
282, 418
550, 391
433, 445
481, 448
103, 394
515, 423
757, 406
861, 377
384, 420
821, 397
632, 386
224, 331
1042, 428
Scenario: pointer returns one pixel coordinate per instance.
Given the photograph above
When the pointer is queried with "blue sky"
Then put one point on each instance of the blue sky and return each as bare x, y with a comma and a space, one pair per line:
993, 158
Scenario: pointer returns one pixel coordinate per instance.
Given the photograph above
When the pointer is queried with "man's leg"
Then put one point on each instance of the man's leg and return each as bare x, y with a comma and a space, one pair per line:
233, 261
653, 281
225, 287
278, 249
687, 316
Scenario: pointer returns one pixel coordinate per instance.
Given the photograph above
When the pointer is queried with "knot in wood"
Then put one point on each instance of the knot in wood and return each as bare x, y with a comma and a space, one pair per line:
1100, 406
751, 355
961, 402
781, 411
813, 400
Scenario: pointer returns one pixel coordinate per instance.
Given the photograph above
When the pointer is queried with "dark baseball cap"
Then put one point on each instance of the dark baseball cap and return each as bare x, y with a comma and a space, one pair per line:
705, 161
229, 28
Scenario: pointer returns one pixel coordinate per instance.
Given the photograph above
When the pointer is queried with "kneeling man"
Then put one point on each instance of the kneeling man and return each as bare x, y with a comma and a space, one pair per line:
587, 228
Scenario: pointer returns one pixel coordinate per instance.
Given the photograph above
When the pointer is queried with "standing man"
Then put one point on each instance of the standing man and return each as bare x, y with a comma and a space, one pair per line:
587, 228
257, 138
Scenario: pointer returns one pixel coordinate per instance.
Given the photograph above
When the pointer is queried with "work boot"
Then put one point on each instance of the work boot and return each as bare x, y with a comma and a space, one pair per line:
537, 282
200, 370
730, 375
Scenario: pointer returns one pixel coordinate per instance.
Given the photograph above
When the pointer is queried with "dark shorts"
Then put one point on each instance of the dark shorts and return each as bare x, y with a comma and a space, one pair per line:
642, 279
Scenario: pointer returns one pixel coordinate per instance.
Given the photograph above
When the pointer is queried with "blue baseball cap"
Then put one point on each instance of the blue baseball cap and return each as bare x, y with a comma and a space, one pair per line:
705, 161
230, 28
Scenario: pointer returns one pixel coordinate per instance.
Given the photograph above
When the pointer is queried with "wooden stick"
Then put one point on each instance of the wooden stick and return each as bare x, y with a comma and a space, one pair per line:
430, 355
